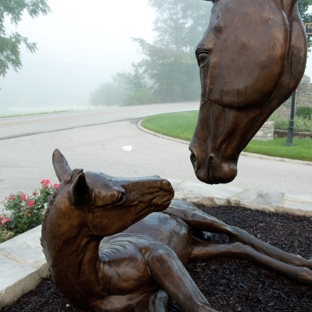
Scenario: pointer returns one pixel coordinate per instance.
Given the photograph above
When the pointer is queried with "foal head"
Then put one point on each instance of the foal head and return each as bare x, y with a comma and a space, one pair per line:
93, 204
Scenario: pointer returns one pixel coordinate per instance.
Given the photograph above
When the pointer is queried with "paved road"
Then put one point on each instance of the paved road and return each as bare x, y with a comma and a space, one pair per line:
26, 160
29, 125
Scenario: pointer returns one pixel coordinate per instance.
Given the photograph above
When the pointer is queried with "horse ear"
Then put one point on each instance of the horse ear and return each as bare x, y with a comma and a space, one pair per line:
61, 167
80, 192
288, 6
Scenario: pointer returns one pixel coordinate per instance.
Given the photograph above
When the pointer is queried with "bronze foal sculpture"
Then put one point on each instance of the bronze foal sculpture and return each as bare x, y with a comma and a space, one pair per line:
115, 244
251, 58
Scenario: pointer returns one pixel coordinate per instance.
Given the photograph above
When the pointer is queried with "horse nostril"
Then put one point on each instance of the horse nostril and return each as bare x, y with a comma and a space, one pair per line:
193, 160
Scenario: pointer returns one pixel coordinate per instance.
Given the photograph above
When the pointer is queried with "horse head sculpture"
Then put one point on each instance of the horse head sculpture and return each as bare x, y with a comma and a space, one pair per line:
251, 58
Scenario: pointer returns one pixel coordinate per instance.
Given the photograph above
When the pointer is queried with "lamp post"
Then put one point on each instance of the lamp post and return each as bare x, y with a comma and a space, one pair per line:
290, 133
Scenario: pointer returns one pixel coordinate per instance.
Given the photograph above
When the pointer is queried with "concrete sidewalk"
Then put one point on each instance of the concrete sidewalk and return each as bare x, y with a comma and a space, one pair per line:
22, 263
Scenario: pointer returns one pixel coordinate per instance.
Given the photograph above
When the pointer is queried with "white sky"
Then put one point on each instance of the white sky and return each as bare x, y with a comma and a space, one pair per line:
81, 44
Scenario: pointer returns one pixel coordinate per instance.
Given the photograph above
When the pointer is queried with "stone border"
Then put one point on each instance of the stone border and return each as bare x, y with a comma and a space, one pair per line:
297, 135
22, 265
212, 195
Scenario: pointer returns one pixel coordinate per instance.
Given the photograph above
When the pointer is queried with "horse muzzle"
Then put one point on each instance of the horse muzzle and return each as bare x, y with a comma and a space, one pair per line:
211, 169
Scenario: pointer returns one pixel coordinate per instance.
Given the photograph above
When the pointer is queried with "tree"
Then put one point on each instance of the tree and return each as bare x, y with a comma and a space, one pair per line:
168, 72
109, 93
10, 43
138, 90
179, 23
306, 16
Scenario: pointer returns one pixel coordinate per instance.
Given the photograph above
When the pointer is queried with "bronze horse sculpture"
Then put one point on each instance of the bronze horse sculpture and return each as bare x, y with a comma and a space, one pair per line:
251, 58
115, 244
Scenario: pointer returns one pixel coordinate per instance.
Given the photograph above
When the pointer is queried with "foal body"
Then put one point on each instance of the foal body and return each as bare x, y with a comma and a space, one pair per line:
117, 245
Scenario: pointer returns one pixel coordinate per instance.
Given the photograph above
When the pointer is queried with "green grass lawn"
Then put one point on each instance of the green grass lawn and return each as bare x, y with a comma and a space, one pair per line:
181, 125
177, 125
301, 149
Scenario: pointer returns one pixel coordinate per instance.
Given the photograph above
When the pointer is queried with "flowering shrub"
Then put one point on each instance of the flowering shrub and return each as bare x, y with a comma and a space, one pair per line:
24, 212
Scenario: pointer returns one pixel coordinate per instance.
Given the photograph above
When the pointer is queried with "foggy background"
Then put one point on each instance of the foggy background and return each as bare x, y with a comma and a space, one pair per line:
81, 44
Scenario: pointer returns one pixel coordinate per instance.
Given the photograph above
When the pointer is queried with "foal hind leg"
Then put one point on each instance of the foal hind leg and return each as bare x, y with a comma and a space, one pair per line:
199, 220
173, 278
207, 251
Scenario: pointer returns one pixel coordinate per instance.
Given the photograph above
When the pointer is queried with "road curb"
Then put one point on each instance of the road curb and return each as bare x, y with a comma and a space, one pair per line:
287, 160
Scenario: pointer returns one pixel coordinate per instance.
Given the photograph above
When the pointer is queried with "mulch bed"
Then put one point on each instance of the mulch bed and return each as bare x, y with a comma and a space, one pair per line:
229, 284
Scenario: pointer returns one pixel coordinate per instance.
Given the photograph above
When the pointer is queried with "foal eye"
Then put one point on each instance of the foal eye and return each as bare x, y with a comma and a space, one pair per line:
121, 198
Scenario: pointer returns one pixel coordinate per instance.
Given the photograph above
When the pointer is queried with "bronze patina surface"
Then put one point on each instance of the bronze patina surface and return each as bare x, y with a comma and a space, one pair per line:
251, 58
115, 244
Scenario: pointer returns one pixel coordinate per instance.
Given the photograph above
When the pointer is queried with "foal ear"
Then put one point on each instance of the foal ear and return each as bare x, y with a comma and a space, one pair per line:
80, 192
61, 167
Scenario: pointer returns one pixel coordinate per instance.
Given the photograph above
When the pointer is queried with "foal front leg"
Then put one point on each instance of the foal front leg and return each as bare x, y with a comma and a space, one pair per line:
173, 278
199, 220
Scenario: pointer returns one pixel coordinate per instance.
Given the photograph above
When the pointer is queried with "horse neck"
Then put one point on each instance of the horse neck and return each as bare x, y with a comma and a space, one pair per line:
79, 249
75, 262
68, 246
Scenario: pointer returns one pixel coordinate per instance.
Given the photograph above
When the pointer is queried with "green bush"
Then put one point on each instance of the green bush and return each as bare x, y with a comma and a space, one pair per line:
279, 123
303, 124
304, 112
300, 124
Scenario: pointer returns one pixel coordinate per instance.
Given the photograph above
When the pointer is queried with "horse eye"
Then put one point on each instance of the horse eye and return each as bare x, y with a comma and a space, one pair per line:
202, 58
121, 198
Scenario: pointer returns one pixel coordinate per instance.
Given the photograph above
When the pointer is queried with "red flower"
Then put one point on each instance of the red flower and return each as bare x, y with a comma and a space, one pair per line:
5, 220
30, 203
55, 185
23, 197
45, 183
10, 197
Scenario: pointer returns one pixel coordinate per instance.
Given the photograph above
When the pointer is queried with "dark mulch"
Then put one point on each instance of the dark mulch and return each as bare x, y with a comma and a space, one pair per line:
228, 284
